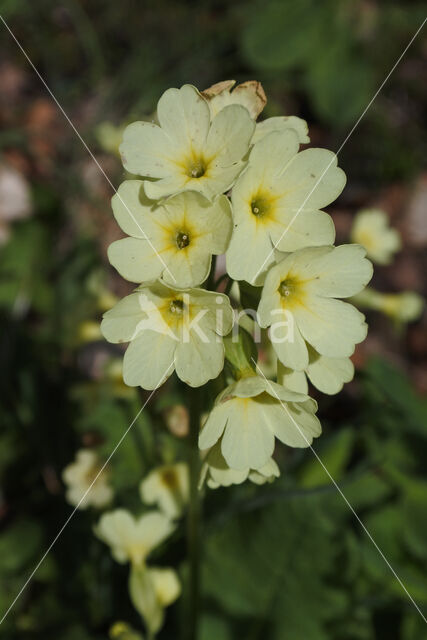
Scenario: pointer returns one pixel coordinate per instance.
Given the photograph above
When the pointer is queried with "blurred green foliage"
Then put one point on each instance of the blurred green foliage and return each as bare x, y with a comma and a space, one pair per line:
286, 561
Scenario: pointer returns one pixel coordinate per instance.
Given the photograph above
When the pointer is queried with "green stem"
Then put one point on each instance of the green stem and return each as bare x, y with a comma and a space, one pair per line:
193, 521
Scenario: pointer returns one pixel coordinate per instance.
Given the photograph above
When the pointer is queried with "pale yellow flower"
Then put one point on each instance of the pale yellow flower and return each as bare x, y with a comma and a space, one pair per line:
371, 229
326, 374
217, 473
249, 414
167, 487
132, 539
299, 303
188, 151
81, 476
251, 96
170, 330
277, 203
406, 306
151, 591
174, 240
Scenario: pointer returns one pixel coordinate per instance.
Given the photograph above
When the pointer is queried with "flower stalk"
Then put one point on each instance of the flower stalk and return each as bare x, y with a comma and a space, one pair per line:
194, 518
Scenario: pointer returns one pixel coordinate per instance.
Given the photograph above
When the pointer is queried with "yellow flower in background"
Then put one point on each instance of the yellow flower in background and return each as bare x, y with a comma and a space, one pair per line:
79, 478
217, 473
188, 151
249, 414
371, 229
174, 240
403, 307
326, 374
151, 591
132, 539
109, 136
177, 420
299, 303
170, 330
277, 203
123, 631
167, 487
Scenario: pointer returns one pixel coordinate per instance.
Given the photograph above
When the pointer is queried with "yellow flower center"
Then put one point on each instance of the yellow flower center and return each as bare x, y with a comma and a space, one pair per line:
286, 288
367, 239
176, 307
292, 293
182, 239
91, 474
198, 170
169, 479
260, 206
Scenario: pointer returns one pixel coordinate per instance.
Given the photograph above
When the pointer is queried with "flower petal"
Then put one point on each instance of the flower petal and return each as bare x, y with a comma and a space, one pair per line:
136, 260
311, 180
214, 426
329, 374
248, 441
119, 324
342, 272
153, 528
147, 151
130, 207
291, 379
288, 343
297, 425
166, 585
229, 135
332, 327
221, 224
280, 123
198, 361
148, 360
294, 230
184, 116
274, 152
243, 264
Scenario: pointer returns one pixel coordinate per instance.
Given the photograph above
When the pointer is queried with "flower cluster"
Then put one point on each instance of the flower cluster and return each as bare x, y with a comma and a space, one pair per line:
214, 181
132, 540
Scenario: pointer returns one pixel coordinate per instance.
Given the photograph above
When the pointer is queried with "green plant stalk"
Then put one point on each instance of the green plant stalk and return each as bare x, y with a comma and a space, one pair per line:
193, 518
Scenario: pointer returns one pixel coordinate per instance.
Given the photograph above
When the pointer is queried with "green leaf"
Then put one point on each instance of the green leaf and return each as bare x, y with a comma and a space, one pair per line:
271, 566
280, 35
335, 454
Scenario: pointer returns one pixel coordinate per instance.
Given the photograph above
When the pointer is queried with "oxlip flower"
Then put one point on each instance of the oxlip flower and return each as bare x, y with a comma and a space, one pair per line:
402, 307
151, 590
188, 151
326, 374
277, 203
170, 330
249, 94
173, 240
167, 487
371, 229
79, 477
132, 539
299, 303
217, 473
250, 413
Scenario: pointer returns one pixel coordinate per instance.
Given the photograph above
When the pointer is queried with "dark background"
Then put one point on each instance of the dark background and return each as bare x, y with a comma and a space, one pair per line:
283, 562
